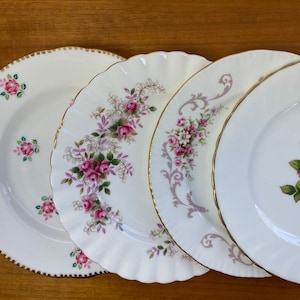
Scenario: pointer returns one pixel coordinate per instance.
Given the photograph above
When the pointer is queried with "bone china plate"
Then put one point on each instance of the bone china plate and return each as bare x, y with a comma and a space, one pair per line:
99, 168
257, 170
34, 93
181, 158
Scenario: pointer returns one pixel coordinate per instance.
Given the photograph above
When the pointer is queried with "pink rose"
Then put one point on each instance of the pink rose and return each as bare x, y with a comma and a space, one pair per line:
86, 165
100, 213
189, 150
102, 167
87, 203
92, 175
27, 148
81, 258
179, 151
48, 207
181, 121
11, 87
178, 162
124, 130
173, 140
131, 106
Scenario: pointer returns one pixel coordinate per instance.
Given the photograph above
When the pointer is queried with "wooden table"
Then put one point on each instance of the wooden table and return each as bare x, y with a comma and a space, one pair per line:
212, 28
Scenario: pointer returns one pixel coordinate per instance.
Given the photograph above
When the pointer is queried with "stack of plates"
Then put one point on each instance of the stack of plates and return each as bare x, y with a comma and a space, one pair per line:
161, 166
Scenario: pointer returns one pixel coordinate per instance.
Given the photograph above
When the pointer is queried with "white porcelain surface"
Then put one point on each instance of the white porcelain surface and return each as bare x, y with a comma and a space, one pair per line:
115, 115
257, 181
181, 156
34, 93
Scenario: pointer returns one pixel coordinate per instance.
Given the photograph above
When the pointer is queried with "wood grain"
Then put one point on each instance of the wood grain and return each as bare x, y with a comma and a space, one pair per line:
209, 28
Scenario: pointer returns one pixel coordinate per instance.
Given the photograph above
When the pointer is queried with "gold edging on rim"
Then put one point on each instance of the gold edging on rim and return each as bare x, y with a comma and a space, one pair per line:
216, 150
65, 48
149, 156
151, 144
5, 68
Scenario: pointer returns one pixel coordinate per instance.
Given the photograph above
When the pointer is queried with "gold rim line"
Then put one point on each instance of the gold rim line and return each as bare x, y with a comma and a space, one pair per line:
63, 48
19, 60
154, 133
217, 146
63, 119
149, 162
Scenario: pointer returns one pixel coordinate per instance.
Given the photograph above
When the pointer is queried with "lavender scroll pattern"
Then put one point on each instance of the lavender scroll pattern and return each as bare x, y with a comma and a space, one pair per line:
179, 152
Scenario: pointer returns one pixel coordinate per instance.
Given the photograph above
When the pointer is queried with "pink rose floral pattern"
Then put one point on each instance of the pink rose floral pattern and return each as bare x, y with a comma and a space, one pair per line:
293, 190
97, 156
188, 134
11, 87
47, 208
81, 260
27, 149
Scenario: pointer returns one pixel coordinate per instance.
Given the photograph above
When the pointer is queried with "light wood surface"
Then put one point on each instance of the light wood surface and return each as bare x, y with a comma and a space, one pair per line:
212, 28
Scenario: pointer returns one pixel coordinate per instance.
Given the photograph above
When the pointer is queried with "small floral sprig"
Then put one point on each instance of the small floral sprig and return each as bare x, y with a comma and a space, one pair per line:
168, 246
81, 260
293, 190
12, 87
101, 214
187, 135
26, 148
47, 209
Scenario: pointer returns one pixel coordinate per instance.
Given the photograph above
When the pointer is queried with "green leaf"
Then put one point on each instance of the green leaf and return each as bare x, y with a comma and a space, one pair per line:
95, 134
297, 197
160, 247
132, 91
107, 191
152, 108
165, 251
72, 254
80, 175
44, 198
167, 242
100, 188
109, 156
75, 170
38, 207
9, 76
16, 76
34, 141
100, 157
23, 138
29, 158
108, 209
24, 158
3, 94
37, 150
74, 265
23, 86
19, 94
115, 162
6, 96
295, 164
106, 183
288, 189
298, 185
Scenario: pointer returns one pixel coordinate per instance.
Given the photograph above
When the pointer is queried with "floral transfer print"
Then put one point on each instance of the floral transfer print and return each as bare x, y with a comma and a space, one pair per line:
11, 87
98, 156
81, 260
47, 209
101, 214
27, 149
188, 134
293, 190
168, 246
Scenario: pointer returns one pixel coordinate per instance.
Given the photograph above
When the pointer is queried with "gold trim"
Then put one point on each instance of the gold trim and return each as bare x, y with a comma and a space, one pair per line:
28, 56
154, 133
216, 150
65, 48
